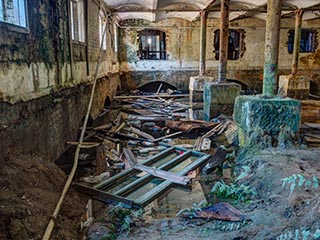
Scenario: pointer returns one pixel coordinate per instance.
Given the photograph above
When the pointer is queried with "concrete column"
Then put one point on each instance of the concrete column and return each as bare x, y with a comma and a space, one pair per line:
296, 44
271, 47
224, 33
203, 43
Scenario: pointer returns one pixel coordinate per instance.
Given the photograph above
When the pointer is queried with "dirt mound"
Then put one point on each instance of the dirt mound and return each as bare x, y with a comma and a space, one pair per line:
30, 189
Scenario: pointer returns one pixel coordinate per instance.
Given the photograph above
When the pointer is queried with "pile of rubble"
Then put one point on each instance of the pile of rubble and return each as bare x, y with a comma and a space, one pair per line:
149, 138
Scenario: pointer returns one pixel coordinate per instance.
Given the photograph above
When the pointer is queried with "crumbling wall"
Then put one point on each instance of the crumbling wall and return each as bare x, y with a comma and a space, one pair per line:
42, 101
183, 46
45, 124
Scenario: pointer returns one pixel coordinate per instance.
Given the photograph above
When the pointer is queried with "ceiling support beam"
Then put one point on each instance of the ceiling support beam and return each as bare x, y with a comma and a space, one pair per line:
271, 47
296, 44
203, 42
223, 48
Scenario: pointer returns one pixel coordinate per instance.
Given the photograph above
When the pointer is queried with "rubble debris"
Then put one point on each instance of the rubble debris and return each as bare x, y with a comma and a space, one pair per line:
217, 159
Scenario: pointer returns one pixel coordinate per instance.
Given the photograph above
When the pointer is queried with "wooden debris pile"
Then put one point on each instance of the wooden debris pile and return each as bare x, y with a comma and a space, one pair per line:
139, 144
311, 133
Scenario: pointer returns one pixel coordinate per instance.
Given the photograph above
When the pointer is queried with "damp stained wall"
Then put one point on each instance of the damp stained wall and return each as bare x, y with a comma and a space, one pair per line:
36, 60
183, 43
41, 103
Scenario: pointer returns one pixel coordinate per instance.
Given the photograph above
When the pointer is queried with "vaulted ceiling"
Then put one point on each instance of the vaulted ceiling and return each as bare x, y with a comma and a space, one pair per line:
155, 10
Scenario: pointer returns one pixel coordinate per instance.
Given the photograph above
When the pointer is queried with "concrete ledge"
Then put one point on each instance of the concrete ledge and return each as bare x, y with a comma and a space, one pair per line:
196, 86
259, 117
219, 98
297, 87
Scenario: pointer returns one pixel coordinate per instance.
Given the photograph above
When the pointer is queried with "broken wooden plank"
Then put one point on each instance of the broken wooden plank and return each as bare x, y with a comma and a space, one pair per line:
104, 196
85, 144
129, 156
109, 182
153, 96
312, 125
167, 136
312, 140
102, 127
101, 159
172, 177
140, 133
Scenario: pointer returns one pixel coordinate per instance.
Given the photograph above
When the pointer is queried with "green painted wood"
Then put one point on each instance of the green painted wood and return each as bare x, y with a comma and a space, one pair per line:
140, 182
163, 187
109, 182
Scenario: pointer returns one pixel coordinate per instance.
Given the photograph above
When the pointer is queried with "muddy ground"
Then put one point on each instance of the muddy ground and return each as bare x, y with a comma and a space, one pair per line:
30, 189
276, 212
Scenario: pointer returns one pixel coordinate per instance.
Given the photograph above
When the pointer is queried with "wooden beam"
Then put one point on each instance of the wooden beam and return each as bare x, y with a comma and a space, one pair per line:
104, 196
111, 181
172, 177
139, 182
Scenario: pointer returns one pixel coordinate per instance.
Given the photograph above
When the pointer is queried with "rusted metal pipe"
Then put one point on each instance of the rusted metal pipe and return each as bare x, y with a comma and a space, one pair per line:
224, 33
296, 44
271, 47
203, 43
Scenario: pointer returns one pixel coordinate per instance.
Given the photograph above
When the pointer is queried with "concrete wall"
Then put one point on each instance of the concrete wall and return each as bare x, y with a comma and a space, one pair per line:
44, 89
183, 42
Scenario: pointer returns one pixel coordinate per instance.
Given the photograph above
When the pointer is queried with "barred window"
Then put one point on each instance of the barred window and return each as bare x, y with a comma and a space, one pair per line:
307, 41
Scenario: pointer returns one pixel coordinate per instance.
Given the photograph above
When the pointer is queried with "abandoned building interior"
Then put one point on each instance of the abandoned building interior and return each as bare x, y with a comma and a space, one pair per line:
160, 119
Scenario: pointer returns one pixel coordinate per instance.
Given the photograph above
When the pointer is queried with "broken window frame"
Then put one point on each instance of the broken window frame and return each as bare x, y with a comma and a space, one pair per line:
78, 23
102, 26
308, 41
152, 44
237, 36
19, 14
103, 191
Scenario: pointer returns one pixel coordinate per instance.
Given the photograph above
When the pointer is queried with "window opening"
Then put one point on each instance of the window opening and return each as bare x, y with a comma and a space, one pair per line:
152, 45
307, 41
102, 26
115, 33
13, 12
236, 46
77, 20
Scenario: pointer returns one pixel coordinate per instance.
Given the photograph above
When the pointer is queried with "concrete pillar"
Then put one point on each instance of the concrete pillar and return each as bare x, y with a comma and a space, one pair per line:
203, 43
224, 33
296, 44
271, 47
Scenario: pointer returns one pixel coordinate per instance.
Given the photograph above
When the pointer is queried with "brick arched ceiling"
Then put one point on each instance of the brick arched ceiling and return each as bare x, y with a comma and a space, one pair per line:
155, 10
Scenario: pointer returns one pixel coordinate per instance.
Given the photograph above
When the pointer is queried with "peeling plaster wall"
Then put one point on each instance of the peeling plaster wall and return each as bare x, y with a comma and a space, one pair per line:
41, 104
183, 43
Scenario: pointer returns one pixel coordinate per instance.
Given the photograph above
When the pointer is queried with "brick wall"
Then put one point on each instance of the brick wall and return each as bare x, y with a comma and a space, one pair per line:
41, 105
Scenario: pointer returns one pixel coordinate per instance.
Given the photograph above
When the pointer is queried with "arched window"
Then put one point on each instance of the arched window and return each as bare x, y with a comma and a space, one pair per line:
152, 45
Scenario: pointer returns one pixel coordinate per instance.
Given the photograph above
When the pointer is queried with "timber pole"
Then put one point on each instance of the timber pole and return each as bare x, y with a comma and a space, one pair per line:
203, 42
224, 33
296, 44
271, 47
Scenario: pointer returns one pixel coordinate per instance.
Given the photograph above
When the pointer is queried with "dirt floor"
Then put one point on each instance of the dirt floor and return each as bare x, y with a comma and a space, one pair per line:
282, 209
30, 188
